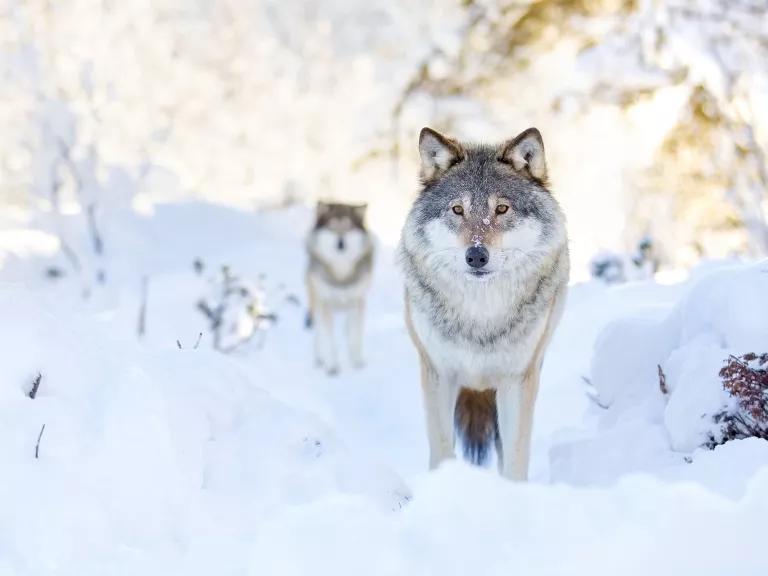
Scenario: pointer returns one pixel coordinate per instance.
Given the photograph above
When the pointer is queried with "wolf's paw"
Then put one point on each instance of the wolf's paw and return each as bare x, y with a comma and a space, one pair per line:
332, 370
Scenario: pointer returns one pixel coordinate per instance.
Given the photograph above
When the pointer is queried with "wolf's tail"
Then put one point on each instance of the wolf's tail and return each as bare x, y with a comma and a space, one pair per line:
476, 423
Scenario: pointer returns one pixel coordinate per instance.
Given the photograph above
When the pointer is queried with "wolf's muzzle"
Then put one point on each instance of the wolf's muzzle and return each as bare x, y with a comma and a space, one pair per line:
476, 256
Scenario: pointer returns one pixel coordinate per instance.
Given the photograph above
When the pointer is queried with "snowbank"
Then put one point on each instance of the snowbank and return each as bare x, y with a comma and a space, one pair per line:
723, 313
466, 521
143, 453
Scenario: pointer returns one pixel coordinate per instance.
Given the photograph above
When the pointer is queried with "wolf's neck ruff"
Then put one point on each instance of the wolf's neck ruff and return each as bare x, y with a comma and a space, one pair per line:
342, 279
446, 302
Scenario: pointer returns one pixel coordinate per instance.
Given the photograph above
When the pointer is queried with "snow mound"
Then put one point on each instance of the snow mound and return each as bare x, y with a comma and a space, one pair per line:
467, 521
146, 451
722, 313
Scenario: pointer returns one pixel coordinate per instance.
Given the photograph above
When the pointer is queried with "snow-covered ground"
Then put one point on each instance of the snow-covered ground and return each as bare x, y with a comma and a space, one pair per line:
161, 456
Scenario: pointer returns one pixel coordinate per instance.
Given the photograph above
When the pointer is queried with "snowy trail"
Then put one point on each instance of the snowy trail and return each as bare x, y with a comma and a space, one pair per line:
376, 409
379, 409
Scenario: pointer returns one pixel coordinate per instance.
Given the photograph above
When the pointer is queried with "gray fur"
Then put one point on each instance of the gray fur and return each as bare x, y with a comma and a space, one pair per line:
321, 268
511, 325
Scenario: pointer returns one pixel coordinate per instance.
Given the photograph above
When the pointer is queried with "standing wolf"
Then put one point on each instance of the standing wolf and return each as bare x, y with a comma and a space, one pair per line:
340, 253
485, 258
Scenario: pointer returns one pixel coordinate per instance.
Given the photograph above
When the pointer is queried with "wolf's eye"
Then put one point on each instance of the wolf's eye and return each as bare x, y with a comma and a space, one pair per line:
502, 209
458, 209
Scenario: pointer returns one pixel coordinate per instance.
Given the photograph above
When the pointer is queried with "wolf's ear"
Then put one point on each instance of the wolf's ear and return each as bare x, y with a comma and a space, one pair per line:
438, 153
526, 151
322, 207
321, 210
359, 211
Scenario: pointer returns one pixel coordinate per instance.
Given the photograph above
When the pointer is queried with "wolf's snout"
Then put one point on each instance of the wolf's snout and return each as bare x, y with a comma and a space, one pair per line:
476, 256
340, 244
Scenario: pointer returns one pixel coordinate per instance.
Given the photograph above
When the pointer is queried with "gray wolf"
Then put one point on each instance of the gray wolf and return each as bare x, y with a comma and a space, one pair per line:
484, 254
340, 253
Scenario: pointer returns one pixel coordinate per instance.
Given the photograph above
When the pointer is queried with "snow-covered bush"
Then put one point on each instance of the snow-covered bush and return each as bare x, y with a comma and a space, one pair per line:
721, 314
234, 308
615, 268
608, 267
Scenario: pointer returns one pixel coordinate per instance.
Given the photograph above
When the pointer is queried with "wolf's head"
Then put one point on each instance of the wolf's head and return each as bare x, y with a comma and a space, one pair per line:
483, 211
340, 218
340, 234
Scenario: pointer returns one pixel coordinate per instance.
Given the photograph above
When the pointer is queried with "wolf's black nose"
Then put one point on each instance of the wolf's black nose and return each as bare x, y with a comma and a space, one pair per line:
340, 244
476, 256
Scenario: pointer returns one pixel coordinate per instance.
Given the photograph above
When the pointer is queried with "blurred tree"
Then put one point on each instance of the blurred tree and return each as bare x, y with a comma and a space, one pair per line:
250, 101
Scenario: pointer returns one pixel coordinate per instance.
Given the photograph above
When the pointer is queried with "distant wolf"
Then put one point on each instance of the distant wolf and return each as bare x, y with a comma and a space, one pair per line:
485, 258
340, 251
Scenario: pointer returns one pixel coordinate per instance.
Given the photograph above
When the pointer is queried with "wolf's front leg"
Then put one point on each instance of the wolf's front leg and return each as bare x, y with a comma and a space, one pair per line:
515, 405
325, 345
355, 321
439, 405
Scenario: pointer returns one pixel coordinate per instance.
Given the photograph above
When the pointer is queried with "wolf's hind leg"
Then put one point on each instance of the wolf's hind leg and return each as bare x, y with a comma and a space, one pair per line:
309, 318
325, 344
355, 320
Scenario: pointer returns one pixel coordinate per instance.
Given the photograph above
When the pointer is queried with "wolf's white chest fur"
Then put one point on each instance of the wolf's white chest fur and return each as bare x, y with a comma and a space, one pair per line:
341, 264
505, 359
339, 296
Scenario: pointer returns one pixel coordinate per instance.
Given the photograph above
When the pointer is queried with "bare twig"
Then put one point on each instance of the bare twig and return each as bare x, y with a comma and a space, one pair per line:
215, 317
142, 328
35, 385
593, 395
197, 342
595, 399
70, 255
96, 239
662, 381
37, 446
293, 299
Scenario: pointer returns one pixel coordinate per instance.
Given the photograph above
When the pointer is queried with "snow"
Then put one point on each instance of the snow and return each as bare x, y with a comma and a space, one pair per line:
462, 521
721, 314
160, 460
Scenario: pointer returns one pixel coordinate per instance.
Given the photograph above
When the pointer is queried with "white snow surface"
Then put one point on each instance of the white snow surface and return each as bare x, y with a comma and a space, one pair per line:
157, 460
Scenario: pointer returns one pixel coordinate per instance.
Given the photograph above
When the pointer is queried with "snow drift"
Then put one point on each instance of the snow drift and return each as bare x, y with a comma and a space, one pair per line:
722, 314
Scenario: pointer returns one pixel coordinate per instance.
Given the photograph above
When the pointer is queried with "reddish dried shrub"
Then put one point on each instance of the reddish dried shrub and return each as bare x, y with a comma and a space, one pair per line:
746, 379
